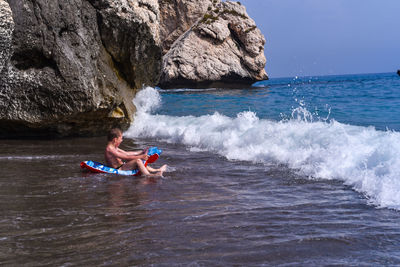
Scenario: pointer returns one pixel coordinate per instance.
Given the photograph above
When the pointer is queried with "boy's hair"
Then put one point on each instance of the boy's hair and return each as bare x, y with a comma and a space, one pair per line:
114, 133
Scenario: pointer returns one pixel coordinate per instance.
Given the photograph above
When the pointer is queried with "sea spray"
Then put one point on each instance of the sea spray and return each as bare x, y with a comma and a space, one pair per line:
362, 157
147, 100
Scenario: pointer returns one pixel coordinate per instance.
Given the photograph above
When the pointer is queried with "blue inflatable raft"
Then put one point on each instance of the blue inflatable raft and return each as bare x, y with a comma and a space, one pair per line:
93, 166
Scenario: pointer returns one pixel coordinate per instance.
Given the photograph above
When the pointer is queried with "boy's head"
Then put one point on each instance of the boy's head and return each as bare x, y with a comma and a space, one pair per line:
114, 133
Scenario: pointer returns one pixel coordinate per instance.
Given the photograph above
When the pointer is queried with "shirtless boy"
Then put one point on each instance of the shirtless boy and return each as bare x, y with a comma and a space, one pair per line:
125, 160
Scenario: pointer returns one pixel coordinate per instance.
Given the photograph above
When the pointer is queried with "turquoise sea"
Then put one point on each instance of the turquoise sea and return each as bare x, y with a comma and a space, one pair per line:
301, 171
364, 99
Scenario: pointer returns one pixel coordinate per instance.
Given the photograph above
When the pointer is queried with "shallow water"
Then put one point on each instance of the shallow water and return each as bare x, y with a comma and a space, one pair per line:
301, 171
235, 213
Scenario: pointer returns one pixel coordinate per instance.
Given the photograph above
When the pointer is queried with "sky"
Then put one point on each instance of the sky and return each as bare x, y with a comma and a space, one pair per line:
328, 37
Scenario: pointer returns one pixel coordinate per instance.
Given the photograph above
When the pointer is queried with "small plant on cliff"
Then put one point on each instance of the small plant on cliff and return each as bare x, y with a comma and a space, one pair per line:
250, 29
208, 19
234, 13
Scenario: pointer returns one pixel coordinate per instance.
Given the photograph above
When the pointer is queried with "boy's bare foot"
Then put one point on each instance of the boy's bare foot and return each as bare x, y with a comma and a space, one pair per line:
163, 168
159, 173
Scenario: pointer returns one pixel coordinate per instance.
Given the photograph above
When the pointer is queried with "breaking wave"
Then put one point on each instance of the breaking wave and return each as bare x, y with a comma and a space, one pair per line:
364, 158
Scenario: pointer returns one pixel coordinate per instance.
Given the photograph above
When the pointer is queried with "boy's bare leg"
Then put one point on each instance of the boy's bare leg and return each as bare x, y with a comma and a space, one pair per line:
162, 168
138, 164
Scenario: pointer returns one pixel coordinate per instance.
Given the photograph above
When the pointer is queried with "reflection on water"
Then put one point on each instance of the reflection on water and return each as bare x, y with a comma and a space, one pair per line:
208, 211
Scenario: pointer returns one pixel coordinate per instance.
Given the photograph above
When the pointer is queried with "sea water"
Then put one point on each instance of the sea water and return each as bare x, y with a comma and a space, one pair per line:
300, 171
331, 128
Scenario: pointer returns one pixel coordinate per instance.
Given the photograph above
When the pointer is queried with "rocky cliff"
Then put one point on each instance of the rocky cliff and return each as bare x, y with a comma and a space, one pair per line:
177, 16
223, 46
72, 67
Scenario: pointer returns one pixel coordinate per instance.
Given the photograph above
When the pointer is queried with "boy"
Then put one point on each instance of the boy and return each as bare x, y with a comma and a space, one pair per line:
124, 160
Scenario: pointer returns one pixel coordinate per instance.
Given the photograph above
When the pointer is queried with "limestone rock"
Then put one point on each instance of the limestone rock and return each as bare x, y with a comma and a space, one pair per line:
225, 46
6, 30
130, 33
177, 16
71, 67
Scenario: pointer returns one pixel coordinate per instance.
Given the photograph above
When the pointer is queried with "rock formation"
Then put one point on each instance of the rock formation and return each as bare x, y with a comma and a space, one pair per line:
224, 46
177, 16
72, 67
398, 72
6, 30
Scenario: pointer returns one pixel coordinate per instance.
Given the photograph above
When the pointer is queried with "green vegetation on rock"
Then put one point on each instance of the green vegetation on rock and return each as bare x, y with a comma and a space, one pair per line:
208, 19
251, 29
234, 13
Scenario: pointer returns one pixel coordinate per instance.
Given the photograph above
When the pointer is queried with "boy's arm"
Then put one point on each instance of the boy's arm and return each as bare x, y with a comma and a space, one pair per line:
134, 153
119, 153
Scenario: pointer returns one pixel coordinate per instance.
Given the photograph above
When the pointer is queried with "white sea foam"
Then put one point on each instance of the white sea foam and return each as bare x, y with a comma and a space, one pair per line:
364, 158
37, 157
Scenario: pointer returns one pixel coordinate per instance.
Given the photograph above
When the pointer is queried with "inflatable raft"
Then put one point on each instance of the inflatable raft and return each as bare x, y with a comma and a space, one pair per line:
93, 166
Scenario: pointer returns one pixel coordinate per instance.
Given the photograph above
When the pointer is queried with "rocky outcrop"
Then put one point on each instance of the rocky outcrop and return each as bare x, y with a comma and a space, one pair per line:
177, 16
130, 33
70, 67
6, 30
224, 46
398, 72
